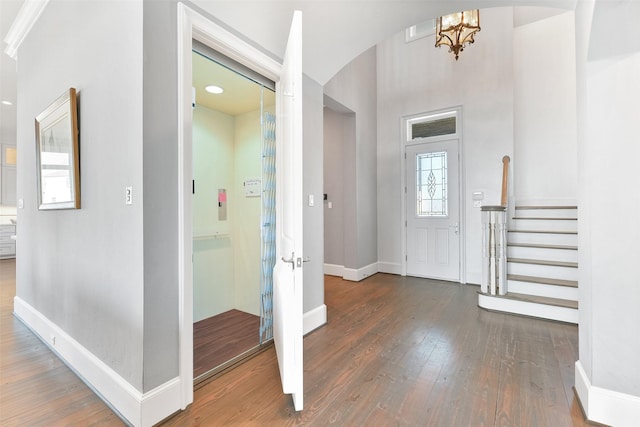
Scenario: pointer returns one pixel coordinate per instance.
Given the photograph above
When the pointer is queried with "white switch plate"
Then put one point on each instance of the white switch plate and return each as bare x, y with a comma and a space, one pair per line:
312, 201
329, 205
128, 195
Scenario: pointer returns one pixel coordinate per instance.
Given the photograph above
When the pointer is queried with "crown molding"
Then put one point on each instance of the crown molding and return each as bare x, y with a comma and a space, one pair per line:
25, 20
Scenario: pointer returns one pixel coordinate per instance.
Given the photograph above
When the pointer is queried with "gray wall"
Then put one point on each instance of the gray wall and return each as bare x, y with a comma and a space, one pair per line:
354, 87
339, 142
312, 184
83, 269
160, 168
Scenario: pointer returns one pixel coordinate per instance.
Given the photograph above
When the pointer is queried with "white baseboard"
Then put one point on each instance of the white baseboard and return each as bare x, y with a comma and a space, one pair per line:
355, 275
137, 408
606, 406
351, 274
334, 270
313, 319
562, 314
390, 268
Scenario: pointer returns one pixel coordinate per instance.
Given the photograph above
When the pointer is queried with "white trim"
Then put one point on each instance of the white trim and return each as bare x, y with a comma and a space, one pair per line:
606, 406
137, 408
313, 319
334, 270
543, 311
355, 275
191, 25
546, 202
389, 267
404, 142
161, 402
24, 22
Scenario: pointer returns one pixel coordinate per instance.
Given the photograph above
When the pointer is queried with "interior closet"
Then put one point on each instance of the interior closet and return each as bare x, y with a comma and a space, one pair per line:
233, 210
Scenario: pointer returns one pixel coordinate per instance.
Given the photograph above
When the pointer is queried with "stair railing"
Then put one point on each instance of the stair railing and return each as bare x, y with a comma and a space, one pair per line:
505, 180
494, 241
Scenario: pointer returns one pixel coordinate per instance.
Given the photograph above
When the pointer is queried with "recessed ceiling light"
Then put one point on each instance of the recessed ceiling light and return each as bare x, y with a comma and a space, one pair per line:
214, 89
7, 102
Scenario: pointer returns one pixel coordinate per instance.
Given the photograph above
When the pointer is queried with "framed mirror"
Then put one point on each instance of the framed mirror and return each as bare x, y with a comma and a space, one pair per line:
57, 154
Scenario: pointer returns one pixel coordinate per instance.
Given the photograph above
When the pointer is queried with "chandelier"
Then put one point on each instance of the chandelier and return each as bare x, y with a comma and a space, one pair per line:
457, 29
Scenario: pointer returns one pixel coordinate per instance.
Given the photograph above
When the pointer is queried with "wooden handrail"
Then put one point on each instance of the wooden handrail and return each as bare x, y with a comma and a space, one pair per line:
505, 179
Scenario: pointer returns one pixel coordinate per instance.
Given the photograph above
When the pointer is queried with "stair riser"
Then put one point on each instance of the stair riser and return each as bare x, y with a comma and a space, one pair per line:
547, 271
543, 225
543, 311
567, 255
548, 213
540, 238
551, 291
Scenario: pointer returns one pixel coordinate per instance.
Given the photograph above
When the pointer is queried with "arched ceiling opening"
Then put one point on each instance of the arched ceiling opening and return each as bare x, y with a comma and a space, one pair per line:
337, 31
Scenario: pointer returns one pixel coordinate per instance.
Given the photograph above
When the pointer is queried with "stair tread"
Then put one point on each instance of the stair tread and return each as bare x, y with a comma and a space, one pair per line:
543, 280
542, 246
546, 207
543, 231
543, 262
543, 218
542, 300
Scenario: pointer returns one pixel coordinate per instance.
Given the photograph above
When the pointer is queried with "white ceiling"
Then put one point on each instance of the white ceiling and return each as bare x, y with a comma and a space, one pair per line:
334, 31
240, 95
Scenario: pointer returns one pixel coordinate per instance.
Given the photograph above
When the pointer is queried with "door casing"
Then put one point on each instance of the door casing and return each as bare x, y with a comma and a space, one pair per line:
192, 24
404, 142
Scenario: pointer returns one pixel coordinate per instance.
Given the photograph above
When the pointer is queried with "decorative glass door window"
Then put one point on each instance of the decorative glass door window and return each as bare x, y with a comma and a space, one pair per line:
431, 185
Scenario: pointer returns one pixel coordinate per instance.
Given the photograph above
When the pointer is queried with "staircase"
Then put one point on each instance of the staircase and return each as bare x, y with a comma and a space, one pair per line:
542, 264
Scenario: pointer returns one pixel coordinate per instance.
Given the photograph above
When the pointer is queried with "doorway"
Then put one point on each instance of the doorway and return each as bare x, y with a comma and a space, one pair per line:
433, 186
233, 134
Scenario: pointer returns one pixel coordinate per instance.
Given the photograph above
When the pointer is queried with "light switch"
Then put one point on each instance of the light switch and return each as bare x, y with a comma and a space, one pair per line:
329, 205
312, 201
128, 195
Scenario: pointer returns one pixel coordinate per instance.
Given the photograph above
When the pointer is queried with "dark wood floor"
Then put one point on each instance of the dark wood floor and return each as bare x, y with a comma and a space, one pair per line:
396, 351
220, 338
36, 388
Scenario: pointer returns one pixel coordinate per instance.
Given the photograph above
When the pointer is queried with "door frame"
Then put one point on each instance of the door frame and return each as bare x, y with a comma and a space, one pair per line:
192, 24
404, 142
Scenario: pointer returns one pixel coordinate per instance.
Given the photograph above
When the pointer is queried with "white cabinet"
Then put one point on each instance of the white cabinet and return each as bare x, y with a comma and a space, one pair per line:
7, 244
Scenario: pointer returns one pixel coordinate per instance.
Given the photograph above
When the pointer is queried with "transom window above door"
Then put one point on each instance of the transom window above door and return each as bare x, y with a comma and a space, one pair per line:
432, 125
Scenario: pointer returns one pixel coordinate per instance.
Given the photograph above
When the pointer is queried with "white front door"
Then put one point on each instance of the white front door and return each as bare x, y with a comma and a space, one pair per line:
287, 274
433, 211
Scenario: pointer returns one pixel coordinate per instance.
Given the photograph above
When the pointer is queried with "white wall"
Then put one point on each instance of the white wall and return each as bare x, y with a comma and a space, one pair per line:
246, 213
227, 151
213, 169
415, 78
83, 269
608, 229
545, 166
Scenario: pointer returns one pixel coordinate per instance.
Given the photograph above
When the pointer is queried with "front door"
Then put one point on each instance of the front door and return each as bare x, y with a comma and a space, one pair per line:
287, 274
433, 211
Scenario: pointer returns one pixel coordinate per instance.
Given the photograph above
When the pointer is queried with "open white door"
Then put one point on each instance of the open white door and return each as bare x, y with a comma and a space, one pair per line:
287, 274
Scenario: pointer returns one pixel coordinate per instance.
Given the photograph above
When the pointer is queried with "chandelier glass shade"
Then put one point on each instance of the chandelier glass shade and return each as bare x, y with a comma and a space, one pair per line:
457, 30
